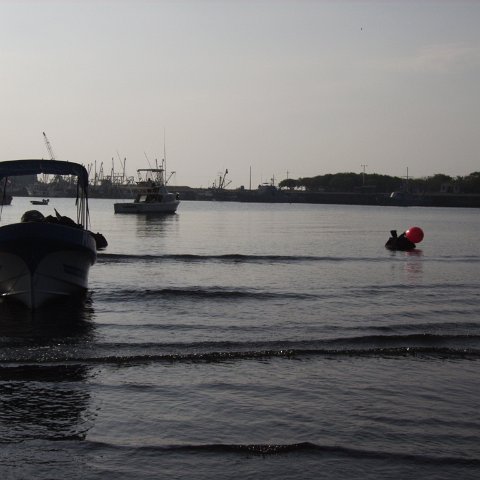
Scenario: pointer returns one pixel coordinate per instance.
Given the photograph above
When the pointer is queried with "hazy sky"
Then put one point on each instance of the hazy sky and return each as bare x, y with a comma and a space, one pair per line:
304, 87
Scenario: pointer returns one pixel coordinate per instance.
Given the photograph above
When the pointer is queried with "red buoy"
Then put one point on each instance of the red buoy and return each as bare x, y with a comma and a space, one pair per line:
414, 234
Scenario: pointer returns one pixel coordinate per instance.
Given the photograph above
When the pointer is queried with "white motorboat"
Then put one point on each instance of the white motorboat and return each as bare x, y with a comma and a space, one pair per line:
152, 195
40, 202
44, 258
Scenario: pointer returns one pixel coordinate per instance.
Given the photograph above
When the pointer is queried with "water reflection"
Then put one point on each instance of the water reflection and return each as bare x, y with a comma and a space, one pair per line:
43, 391
155, 224
414, 265
43, 402
72, 319
410, 262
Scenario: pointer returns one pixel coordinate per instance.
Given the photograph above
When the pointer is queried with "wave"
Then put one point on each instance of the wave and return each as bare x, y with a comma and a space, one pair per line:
328, 345
282, 449
395, 287
241, 258
422, 326
427, 346
428, 339
215, 291
120, 360
234, 258
198, 293
227, 356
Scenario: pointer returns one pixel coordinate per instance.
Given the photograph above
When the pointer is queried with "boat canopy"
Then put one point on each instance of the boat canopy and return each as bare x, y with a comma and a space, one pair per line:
12, 168
15, 168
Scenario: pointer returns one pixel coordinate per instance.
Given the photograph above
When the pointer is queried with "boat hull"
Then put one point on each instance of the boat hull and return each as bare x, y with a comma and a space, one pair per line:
41, 262
141, 207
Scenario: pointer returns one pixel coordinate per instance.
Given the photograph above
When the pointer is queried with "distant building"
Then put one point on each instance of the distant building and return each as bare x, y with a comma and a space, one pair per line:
450, 187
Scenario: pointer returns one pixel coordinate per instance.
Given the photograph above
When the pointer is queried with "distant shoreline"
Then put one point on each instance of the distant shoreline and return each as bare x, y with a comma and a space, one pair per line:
275, 195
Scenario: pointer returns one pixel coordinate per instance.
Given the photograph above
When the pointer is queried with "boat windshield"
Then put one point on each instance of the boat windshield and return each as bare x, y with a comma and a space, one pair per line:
14, 168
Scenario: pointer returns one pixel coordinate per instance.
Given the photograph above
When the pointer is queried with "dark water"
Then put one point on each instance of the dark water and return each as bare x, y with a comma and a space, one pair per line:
252, 341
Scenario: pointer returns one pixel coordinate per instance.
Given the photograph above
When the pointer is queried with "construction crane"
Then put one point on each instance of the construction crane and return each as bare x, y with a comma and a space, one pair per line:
222, 182
49, 147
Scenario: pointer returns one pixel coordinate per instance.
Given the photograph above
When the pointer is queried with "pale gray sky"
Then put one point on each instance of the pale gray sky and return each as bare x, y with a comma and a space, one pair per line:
308, 87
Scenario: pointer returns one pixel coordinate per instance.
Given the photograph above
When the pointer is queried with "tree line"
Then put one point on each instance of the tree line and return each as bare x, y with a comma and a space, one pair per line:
350, 182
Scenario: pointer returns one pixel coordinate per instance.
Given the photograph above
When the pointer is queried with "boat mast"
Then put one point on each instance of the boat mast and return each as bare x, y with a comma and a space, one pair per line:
164, 158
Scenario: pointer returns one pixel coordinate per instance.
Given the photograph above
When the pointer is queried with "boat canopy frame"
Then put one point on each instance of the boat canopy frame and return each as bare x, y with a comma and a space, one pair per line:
15, 168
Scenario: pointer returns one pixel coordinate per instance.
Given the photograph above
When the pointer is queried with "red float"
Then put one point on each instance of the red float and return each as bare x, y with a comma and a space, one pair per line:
414, 234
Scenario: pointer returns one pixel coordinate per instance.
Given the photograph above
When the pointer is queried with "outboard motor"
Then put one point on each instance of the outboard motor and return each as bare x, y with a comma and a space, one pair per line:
401, 242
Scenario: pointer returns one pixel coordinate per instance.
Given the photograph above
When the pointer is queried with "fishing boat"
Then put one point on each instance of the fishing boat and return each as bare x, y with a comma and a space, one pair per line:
40, 202
152, 195
43, 258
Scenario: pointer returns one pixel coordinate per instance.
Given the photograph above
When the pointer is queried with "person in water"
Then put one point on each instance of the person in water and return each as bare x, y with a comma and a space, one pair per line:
401, 242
